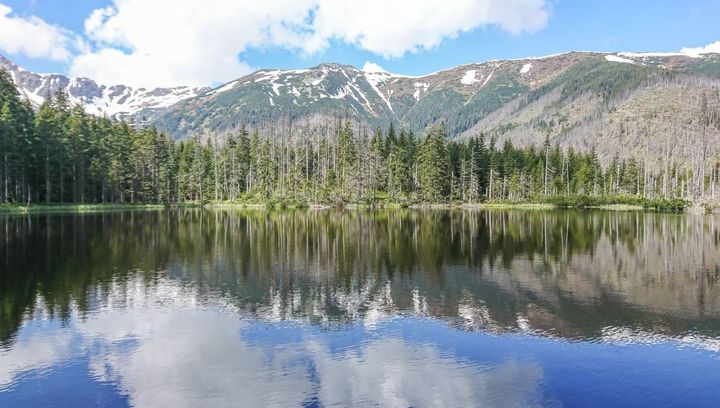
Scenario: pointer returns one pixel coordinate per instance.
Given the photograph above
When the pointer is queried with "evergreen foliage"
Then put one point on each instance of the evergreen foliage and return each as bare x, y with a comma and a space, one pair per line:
59, 154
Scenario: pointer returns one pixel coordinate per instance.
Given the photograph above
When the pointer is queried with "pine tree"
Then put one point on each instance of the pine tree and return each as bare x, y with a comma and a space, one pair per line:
47, 130
376, 163
398, 172
434, 167
265, 171
347, 160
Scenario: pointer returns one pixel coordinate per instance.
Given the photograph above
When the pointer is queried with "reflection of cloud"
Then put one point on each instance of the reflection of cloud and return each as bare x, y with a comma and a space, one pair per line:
197, 359
393, 373
164, 348
33, 354
178, 354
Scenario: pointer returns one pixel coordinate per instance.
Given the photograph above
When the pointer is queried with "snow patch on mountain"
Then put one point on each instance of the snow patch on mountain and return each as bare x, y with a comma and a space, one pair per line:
615, 58
420, 87
469, 77
375, 76
685, 53
131, 101
265, 76
226, 87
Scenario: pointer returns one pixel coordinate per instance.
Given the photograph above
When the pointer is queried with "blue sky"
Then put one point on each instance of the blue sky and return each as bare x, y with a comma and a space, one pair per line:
168, 42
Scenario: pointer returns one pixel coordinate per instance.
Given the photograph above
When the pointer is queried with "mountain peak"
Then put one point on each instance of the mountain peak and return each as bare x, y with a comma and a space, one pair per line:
335, 66
116, 100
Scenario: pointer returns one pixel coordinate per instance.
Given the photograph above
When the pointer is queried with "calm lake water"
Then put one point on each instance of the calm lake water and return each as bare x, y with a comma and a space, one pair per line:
399, 308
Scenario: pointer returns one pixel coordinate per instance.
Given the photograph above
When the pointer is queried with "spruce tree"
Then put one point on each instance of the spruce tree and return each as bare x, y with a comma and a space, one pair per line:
434, 166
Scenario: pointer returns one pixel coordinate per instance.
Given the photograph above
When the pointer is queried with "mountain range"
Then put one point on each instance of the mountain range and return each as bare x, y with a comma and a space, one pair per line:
118, 101
620, 104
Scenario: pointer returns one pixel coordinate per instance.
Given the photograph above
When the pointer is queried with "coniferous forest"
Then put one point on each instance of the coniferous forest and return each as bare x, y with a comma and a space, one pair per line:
59, 154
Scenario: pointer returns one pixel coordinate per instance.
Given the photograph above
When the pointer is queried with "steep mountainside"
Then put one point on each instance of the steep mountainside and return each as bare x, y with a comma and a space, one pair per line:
627, 105
459, 96
116, 101
618, 104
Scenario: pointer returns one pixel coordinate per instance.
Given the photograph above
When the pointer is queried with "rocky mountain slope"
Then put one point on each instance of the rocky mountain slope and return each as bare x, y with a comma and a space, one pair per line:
117, 101
620, 104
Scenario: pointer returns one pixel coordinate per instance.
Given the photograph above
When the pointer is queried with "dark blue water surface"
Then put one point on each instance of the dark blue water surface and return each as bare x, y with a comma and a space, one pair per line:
403, 308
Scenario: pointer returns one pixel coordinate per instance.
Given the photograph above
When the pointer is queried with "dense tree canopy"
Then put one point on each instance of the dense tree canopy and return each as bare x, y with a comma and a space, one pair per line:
59, 154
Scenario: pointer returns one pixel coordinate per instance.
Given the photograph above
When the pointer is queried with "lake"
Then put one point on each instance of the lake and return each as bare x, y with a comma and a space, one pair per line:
399, 308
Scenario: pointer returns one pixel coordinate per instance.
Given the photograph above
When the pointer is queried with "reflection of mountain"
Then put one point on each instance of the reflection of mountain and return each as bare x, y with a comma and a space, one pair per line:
564, 273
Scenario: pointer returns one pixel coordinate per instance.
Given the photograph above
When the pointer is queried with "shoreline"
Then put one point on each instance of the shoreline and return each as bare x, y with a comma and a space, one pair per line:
622, 205
11, 209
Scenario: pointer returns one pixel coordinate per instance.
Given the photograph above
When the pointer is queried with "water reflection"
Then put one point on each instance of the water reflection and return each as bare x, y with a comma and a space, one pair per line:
163, 348
564, 273
208, 308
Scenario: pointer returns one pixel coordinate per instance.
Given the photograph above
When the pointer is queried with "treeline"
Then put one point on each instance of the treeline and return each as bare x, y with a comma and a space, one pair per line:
59, 154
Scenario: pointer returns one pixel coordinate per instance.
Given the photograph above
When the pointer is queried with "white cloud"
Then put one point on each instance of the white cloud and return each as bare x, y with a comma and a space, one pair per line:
370, 66
198, 42
713, 48
191, 42
33, 37
393, 28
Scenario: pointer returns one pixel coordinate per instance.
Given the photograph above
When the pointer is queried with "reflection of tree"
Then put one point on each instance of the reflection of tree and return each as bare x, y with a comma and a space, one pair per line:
564, 272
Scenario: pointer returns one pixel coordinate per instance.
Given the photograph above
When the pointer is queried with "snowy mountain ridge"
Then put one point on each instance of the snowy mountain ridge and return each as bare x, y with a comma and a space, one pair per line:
116, 101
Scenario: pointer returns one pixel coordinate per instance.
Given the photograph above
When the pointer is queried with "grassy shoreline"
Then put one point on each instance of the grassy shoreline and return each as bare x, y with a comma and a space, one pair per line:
75, 208
545, 203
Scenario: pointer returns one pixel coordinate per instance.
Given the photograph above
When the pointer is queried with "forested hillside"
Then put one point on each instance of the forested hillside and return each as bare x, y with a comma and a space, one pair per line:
650, 107
625, 105
60, 154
